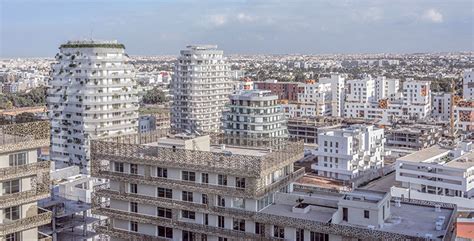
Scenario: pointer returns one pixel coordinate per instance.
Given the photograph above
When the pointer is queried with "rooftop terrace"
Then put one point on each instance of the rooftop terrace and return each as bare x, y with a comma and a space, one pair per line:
24, 136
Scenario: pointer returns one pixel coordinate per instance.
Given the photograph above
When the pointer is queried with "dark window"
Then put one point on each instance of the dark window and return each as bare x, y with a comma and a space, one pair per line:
188, 214
315, 236
13, 236
222, 239
17, 159
240, 182
133, 207
12, 186
222, 180
187, 196
161, 172
239, 224
206, 219
133, 188
260, 228
366, 214
165, 192
205, 200
133, 226
119, 167
133, 168
220, 221
203, 237
188, 176
189, 236
345, 214
164, 212
278, 232
220, 201
300, 235
12, 213
165, 232
204, 178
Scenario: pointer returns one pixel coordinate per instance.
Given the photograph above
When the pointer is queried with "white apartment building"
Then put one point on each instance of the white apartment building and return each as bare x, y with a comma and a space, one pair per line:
438, 173
337, 82
92, 94
464, 116
255, 114
200, 87
441, 106
182, 188
468, 84
23, 181
345, 153
386, 88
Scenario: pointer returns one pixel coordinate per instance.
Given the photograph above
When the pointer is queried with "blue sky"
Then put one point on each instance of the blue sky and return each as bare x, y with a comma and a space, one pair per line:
35, 28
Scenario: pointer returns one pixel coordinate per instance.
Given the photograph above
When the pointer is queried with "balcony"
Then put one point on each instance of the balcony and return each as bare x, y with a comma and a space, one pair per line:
42, 191
24, 170
42, 217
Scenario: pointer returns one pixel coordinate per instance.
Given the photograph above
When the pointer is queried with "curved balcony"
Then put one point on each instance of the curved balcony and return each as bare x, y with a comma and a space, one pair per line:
24, 170
42, 217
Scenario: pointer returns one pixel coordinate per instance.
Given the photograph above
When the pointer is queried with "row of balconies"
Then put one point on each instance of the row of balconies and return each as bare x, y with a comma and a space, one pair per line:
42, 217
24, 170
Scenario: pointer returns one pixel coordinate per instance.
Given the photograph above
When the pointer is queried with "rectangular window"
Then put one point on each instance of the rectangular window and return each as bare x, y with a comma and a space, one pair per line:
133, 207
165, 192
134, 169
188, 176
13, 236
239, 224
189, 236
188, 214
345, 214
222, 180
203, 237
187, 196
278, 232
240, 182
12, 213
119, 167
315, 236
164, 212
222, 239
205, 199
220, 221
204, 177
220, 201
366, 214
12, 186
162, 172
206, 219
165, 232
133, 188
133, 226
260, 228
17, 159
238, 202
299, 234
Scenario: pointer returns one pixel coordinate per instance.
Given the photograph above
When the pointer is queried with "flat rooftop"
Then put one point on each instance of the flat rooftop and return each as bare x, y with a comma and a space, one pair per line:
425, 154
465, 161
316, 213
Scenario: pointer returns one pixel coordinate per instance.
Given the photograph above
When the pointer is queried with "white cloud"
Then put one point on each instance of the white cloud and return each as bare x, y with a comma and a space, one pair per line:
218, 19
244, 18
432, 15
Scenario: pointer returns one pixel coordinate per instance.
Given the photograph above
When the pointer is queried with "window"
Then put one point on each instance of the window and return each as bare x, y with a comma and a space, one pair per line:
238, 202
165, 232
366, 214
345, 214
205, 200
220, 201
133, 207
240, 182
119, 166
315, 236
13, 236
222, 180
188, 214
300, 235
164, 212
188, 176
189, 236
165, 192
260, 228
17, 159
206, 219
12, 213
204, 177
161, 172
187, 196
203, 237
133, 169
278, 232
133, 226
239, 224
133, 188
10, 187
220, 221
222, 239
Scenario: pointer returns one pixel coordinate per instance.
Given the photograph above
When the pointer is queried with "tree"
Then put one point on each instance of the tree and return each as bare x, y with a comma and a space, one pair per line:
154, 96
25, 117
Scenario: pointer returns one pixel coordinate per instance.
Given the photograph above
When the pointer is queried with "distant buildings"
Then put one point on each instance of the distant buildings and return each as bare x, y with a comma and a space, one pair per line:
413, 136
468, 84
201, 87
92, 94
441, 106
345, 153
438, 173
307, 129
285, 90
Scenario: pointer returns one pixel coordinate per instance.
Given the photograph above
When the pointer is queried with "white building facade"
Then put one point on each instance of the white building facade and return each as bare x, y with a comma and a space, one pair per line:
92, 94
200, 87
468, 84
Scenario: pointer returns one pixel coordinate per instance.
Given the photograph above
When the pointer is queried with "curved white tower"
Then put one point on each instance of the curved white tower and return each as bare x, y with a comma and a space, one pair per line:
92, 94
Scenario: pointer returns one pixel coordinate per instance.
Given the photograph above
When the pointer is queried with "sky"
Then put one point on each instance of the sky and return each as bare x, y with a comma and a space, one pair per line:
35, 28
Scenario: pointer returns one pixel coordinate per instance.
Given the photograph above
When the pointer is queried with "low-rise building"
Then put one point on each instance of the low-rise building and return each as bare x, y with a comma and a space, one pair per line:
307, 129
413, 136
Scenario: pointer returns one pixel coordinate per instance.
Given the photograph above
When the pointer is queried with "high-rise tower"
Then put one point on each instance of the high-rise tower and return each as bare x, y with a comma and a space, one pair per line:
200, 87
92, 94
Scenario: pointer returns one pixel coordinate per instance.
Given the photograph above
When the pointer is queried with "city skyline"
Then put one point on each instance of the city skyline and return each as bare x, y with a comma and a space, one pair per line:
34, 29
